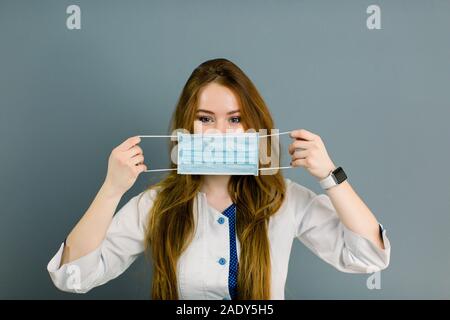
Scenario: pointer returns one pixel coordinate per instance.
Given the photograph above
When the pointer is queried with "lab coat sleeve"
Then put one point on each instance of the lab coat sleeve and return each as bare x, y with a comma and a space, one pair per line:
123, 243
319, 228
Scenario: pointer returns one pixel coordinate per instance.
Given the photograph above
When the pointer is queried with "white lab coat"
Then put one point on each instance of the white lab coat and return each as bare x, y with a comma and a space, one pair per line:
304, 215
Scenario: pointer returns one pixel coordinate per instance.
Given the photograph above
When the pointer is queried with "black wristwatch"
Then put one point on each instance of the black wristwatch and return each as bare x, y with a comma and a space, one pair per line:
335, 177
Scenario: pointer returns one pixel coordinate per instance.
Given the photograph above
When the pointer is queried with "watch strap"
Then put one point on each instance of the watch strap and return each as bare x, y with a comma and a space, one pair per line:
328, 181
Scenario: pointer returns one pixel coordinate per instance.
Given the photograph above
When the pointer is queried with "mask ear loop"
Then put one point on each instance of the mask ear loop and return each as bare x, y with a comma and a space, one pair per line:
159, 136
275, 134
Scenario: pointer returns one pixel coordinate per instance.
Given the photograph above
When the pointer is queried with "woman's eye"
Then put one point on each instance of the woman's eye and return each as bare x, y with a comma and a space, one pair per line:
205, 119
235, 119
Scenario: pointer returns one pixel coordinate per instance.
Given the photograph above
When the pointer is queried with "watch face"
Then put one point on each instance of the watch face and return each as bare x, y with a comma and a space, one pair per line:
339, 175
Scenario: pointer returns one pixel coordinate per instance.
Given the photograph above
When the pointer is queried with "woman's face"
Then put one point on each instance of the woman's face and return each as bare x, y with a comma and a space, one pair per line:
218, 109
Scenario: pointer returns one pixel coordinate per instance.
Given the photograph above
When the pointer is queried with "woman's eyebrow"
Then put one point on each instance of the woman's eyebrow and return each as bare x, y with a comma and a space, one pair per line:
205, 111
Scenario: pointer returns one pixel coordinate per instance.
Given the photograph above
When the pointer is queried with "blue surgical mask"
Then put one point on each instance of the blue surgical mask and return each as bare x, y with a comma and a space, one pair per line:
218, 154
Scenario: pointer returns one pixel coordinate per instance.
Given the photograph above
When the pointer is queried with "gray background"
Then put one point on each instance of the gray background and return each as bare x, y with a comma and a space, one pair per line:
378, 98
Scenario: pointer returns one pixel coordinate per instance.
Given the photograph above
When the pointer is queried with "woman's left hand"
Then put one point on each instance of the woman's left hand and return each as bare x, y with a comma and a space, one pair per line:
308, 151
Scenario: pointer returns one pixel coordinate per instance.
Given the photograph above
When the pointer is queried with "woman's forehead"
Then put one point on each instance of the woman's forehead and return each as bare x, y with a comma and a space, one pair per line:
218, 99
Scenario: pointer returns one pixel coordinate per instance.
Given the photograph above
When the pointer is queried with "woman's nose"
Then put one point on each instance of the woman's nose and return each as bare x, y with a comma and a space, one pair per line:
222, 126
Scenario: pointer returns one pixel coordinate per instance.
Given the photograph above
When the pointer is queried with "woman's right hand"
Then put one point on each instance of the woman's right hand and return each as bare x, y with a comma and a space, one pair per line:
125, 164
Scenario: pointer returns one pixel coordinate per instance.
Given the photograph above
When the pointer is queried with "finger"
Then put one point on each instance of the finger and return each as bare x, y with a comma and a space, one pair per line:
299, 154
136, 150
299, 144
129, 143
299, 163
141, 168
303, 134
137, 160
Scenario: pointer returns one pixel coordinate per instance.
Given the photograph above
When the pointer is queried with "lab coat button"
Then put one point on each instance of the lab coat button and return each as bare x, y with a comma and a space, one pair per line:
221, 220
222, 261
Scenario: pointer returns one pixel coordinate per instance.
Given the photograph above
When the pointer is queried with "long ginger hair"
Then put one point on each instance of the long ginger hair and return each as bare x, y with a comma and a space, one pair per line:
171, 218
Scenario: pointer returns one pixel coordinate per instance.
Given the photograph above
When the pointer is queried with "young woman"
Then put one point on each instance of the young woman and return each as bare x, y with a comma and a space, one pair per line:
220, 236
